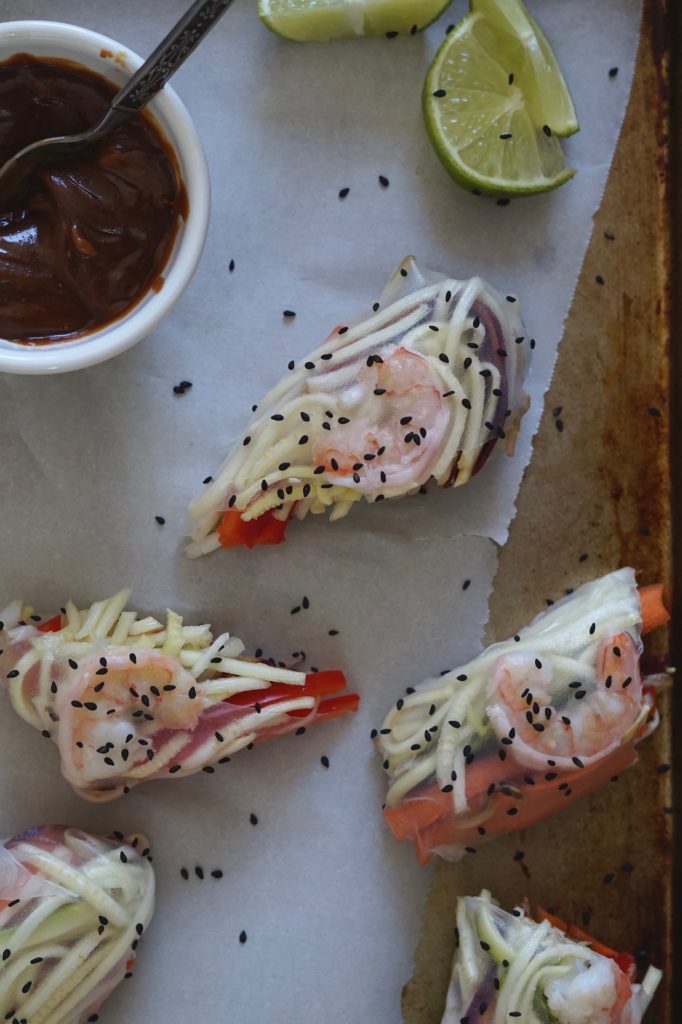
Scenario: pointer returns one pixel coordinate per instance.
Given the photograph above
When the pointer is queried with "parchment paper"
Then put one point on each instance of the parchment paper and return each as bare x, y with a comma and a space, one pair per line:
330, 905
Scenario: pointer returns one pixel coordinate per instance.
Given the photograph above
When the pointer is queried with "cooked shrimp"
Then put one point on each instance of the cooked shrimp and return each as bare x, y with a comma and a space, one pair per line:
565, 720
121, 702
398, 431
596, 992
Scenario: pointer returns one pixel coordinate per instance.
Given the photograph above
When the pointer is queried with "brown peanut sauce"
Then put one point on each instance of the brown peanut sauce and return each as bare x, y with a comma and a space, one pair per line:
91, 235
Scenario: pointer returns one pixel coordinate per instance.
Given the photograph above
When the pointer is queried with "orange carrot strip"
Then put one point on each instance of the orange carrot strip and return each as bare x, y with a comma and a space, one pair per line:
654, 611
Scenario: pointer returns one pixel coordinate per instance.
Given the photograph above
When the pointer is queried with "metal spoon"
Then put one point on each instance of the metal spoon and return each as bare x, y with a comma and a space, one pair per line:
182, 39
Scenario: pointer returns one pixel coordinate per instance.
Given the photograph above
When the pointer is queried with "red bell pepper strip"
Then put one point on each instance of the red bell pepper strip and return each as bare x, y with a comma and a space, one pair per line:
234, 532
52, 625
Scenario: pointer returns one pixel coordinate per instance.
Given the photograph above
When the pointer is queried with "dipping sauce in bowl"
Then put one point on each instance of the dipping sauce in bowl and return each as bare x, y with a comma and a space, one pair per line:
92, 235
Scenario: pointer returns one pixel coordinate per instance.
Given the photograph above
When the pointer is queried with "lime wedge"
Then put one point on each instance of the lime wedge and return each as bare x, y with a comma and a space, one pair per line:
496, 104
307, 21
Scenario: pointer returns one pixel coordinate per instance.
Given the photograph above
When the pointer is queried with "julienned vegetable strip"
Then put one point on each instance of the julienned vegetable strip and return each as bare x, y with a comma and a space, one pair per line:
527, 727
127, 699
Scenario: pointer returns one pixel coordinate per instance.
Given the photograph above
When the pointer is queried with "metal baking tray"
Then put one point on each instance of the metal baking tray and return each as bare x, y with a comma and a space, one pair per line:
597, 495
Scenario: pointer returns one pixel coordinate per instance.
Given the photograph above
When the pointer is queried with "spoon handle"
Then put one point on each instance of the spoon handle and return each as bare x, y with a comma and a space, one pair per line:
182, 39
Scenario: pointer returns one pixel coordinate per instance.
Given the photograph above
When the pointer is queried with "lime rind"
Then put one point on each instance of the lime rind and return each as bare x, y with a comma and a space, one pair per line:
495, 104
325, 20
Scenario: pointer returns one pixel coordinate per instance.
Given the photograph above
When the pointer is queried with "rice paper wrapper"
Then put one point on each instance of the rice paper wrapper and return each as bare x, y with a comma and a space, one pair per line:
419, 389
508, 966
523, 730
128, 698
73, 908
91, 458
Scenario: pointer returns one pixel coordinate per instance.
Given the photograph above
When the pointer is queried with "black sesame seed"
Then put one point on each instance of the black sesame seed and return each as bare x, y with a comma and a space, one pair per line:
383, 180
343, 193
599, 279
613, 72
439, 94
324, 761
242, 937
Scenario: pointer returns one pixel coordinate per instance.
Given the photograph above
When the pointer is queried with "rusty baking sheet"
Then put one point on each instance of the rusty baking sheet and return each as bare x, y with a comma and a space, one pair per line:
599, 485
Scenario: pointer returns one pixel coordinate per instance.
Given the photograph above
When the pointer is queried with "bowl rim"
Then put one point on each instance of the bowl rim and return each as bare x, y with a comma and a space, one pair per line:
178, 127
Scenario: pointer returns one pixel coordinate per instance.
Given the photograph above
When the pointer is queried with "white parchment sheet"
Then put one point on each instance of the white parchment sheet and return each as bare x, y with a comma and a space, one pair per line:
329, 902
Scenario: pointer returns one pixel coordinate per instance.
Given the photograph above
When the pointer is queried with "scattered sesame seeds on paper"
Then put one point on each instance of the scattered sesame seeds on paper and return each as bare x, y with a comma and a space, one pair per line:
91, 459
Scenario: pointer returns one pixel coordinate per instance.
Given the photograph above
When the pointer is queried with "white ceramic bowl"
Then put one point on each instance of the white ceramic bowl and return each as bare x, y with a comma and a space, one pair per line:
116, 62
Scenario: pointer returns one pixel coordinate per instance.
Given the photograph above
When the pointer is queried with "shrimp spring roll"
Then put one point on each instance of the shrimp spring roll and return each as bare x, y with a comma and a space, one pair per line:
527, 727
509, 967
127, 699
72, 909
423, 387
